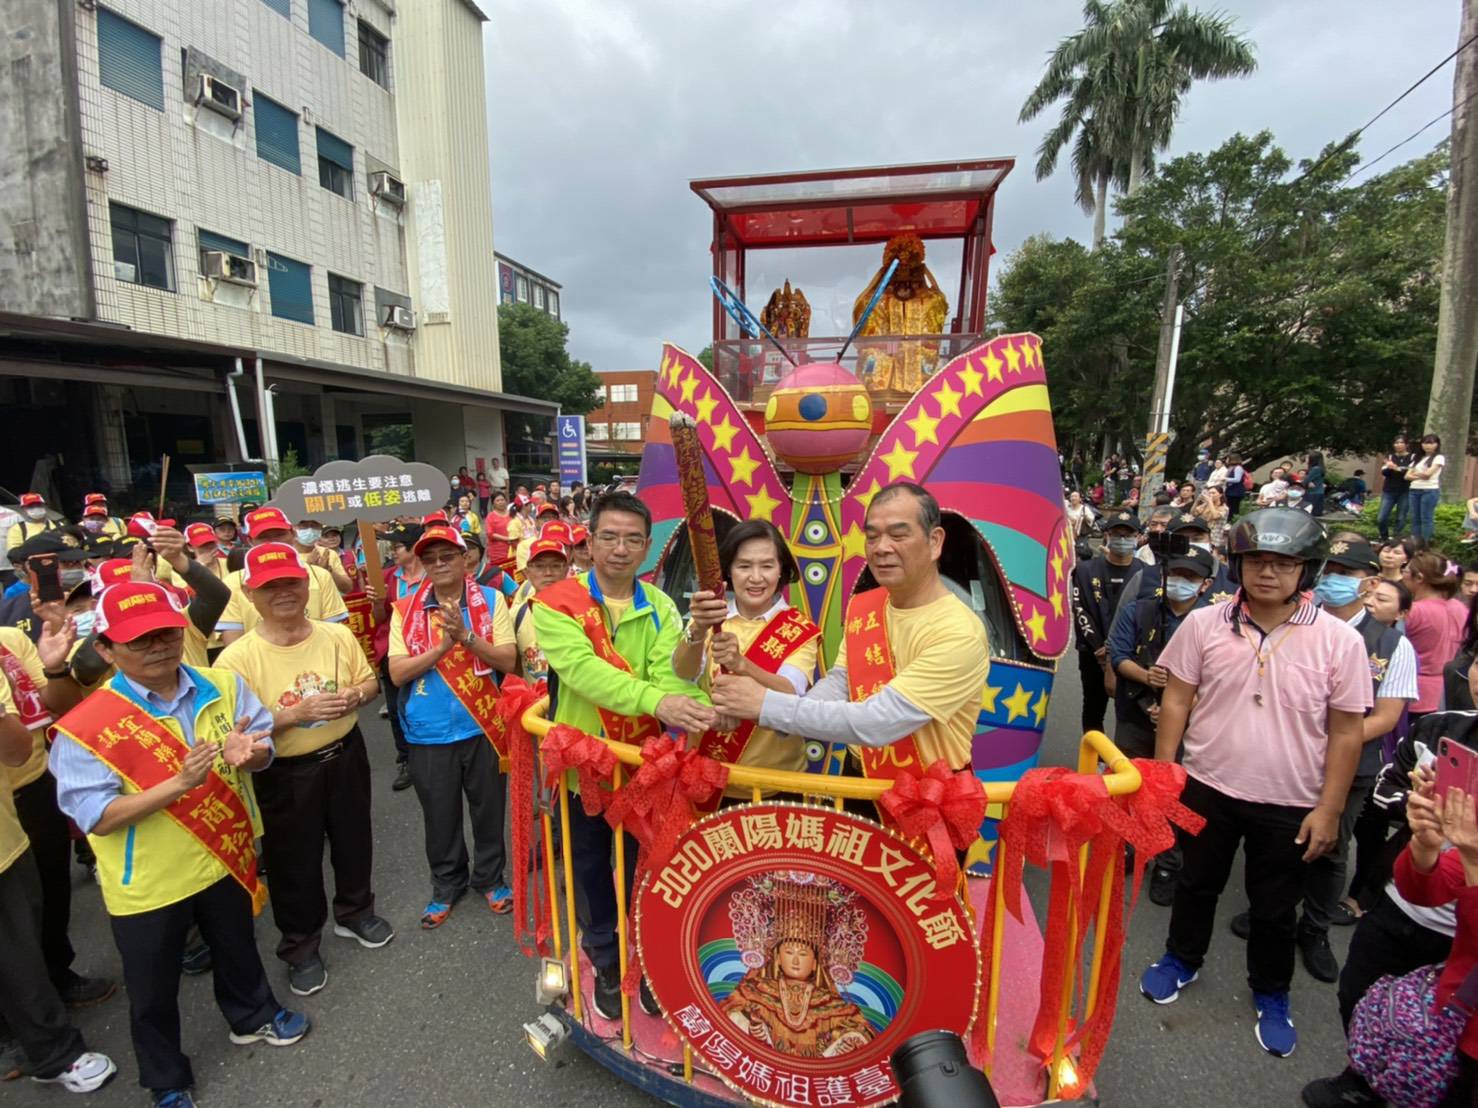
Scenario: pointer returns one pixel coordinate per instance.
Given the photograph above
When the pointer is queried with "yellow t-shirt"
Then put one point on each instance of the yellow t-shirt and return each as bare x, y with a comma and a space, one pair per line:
13, 841
324, 601
19, 643
940, 663
328, 660
768, 748
530, 658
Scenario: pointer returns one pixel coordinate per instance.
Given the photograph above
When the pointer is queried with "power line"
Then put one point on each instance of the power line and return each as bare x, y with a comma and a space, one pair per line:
1407, 139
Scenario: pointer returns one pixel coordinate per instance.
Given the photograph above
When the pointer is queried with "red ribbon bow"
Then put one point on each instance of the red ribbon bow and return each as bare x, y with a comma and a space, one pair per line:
943, 806
515, 697
566, 748
657, 805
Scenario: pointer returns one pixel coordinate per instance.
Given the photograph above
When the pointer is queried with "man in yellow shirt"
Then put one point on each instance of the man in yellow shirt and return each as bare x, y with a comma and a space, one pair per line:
905, 686
548, 564
34, 521
324, 601
313, 678
305, 539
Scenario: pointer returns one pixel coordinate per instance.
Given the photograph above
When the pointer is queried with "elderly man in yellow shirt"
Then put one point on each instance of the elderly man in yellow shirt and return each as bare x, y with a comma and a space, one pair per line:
324, 601
905, 686
313, 677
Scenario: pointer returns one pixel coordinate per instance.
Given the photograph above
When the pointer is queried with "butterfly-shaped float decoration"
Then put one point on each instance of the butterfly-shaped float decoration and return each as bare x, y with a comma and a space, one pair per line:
978, 435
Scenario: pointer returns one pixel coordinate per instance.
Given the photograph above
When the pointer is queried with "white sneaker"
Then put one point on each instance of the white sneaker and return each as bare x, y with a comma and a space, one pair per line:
90, 1071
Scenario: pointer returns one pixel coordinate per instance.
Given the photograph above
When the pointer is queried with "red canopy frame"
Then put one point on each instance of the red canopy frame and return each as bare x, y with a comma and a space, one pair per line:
846, 207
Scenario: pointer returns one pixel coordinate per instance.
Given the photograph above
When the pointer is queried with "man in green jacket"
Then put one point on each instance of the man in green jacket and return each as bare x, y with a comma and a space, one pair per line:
609, 640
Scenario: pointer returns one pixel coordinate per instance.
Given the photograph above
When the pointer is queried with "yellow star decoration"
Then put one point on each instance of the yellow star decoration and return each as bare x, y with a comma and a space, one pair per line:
899, 461
1057, 563
854, 543
674, 372
1013, 358
924, 427
742, 462
988, 698
865, 498
723, 434
993, 365
1039, 709
761, 504
1034, 355
971, 379
689, 387
949, 400
1037, 625
706, 404
1056, 599
1018, 703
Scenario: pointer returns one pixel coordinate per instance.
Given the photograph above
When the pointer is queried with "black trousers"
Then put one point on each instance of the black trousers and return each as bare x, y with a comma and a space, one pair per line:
305, 801
30, 1010
151, 943
1325, 882
592, 843
1372, 829
392, 703
1095, 696
51, 844
443, 773
1274, 876
1386, 940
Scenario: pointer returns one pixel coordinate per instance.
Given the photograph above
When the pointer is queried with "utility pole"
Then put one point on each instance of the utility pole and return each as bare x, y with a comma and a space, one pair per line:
1457, 319
1157, 438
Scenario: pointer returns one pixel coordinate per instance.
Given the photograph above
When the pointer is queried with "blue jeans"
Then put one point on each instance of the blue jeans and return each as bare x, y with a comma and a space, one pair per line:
1423, 509
1399, 501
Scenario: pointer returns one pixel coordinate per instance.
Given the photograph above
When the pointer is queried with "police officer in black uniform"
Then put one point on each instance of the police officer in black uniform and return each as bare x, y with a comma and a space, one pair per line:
1097, 586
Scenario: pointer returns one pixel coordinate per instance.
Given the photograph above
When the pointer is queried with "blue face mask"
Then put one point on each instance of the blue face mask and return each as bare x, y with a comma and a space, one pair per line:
1181, 589
1121, 546
1335, 590
309, 535
84, 622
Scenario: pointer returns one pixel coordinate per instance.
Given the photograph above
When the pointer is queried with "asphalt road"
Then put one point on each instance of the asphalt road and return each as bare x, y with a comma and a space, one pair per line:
436, 1017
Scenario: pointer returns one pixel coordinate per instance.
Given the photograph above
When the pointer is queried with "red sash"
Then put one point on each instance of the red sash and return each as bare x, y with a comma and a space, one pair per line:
27, 696
145, 753
869, 668
362, 623
570, 598
786, 633
469, 678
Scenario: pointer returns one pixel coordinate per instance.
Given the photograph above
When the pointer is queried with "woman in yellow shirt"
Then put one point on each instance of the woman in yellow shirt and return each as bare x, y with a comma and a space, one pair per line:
756, 633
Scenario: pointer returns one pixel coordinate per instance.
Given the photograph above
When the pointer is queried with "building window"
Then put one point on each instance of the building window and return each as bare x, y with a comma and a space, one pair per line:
209, 241
291, 286
142, 248
335, 164
600, 396
523, 290
631, 432
277, 134
539, 296
623, 394
281, 7
129, 60
554, 303
345, 305
374, 55
326, 23
597, 432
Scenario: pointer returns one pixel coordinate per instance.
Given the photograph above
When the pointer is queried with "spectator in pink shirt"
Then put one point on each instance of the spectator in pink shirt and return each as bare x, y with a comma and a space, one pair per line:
1432, 626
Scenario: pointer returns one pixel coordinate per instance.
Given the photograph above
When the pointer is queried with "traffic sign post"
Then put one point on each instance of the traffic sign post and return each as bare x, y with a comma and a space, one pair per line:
570, 449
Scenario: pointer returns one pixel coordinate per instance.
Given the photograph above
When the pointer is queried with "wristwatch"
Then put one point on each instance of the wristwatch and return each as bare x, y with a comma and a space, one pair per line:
693, 639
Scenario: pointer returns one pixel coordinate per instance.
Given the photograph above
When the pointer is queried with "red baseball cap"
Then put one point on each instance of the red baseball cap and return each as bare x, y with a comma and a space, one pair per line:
546, 508
548, 546
262, 520
559, 531
31, 499
272, 561
141, 524
439, 532
578, 534
135, 608
198, 534
435, 517
94, 498
115, 571
95, 509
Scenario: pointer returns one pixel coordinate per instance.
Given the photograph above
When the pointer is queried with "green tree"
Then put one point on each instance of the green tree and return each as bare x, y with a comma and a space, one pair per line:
531, 346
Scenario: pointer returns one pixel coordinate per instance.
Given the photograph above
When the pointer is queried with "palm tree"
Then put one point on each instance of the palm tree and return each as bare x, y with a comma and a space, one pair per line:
1123, 77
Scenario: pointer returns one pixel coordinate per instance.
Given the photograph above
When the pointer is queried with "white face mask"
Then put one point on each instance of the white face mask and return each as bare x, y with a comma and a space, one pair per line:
35, 513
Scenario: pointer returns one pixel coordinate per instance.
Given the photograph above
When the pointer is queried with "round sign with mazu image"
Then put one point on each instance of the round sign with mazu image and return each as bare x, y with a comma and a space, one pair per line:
794, 948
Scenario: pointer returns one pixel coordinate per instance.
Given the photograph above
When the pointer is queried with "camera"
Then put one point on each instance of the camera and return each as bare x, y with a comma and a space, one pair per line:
933, 1072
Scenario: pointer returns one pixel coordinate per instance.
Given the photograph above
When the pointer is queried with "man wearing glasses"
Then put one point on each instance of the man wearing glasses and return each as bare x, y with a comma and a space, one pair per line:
609, 640
447, 639
154, 767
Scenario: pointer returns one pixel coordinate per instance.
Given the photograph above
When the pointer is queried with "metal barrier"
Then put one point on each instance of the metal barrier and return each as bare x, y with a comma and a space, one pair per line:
1097, 755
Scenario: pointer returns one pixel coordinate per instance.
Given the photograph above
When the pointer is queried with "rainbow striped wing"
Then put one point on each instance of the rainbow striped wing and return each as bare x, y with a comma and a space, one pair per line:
741, 475
979, 436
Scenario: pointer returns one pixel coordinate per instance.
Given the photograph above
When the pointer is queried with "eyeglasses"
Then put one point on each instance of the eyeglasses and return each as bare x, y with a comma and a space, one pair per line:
170, 636
441, 560
610, 540
1281, 566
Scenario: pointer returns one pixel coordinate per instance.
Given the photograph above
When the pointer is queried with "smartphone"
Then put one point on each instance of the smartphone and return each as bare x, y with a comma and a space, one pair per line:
48, 573
1457, 768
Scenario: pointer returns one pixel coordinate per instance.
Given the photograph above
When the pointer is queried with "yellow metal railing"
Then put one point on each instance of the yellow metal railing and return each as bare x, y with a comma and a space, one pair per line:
1097, 756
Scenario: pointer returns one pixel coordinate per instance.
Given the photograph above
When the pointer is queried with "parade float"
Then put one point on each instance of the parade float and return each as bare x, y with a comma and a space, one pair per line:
793, 945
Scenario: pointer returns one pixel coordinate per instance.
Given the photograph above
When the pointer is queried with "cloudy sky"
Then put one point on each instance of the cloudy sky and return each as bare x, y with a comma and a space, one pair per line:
601, 111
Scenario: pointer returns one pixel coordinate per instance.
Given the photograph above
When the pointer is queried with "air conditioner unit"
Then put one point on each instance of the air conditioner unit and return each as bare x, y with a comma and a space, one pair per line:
218, 96
222, 266
388, 188
400, 318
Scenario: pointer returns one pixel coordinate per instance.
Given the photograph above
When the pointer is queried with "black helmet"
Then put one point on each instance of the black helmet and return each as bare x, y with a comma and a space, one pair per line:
1286, 531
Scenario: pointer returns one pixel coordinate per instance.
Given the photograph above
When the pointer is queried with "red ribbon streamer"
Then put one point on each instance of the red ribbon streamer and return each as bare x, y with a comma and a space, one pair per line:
515, 698
942, 806
656, 806
565, 748
1053, 814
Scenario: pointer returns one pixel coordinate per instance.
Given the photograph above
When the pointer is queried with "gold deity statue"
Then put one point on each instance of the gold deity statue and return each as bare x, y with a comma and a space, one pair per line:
911, 305
787, 314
